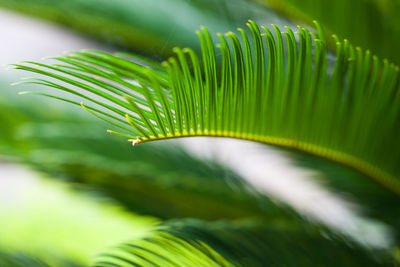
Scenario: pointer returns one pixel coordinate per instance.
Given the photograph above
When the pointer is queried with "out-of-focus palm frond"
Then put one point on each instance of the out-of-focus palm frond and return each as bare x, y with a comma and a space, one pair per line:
17, 259
20, 260
241, 243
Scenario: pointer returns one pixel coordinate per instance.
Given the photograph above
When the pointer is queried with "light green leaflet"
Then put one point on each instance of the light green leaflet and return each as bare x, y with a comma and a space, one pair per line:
272, 87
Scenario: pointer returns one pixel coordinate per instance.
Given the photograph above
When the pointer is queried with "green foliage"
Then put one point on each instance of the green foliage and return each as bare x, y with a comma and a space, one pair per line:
20, 260
237, 243
135, 24
262, 93
157, 179
48, 221
372, 24
160, 179
273, 87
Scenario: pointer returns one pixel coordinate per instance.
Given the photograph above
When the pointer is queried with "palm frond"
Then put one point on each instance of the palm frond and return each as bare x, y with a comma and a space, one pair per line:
266, 93
241, 243
161, 180
19, 259
369, 24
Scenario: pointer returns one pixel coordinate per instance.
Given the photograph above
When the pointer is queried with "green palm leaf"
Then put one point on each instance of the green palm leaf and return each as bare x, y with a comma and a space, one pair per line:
19, 259
266, 93
161, 180
240, 243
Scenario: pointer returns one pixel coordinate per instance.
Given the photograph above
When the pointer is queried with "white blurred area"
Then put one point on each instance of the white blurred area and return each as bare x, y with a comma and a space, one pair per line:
24, 38
270, 171
273, 173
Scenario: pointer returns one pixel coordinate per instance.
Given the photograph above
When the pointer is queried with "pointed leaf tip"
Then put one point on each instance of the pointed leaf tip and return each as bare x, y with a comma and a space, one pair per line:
24, 93
136, 141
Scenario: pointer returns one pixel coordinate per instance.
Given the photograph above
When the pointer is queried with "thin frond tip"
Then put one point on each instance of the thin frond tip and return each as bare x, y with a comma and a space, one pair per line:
267, 85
